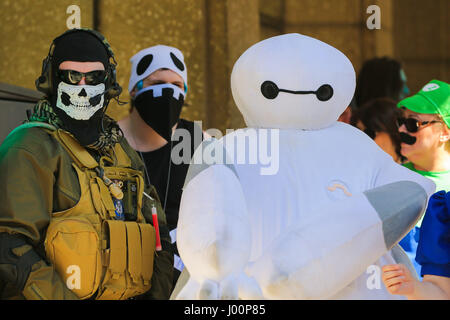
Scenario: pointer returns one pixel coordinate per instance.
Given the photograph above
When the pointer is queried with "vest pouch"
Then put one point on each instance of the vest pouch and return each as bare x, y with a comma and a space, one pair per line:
73, 247
140, 257
114, 261
148, 245
128, 270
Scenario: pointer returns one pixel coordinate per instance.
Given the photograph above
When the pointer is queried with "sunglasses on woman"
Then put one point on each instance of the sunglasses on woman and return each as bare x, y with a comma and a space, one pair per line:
413, 125
74, 77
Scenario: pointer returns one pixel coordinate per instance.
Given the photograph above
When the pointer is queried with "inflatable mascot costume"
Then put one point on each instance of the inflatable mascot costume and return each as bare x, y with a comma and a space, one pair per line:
335, 208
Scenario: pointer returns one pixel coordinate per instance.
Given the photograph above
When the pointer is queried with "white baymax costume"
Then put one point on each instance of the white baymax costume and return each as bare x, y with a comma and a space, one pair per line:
324, 223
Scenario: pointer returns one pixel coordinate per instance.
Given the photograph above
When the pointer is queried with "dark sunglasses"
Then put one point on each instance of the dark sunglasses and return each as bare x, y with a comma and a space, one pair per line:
413, 125
74, 77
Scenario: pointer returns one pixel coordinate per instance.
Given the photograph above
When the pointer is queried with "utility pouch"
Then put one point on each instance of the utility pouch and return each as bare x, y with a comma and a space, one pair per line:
73, 246
128, 271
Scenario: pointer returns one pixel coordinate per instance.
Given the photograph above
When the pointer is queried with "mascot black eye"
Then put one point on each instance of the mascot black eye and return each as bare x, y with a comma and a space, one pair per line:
269, 90
325, 92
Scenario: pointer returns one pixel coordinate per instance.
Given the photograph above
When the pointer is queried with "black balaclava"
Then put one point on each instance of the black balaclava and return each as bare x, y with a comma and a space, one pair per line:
79, 46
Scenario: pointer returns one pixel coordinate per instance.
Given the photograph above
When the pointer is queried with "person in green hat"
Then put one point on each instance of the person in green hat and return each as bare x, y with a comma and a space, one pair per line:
425, 131
425, 142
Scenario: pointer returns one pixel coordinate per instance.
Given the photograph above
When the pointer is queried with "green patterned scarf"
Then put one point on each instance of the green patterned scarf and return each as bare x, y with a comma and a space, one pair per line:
111, 135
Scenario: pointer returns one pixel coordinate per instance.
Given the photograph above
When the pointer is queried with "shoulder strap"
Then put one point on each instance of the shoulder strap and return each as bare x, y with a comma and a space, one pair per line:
82, 157
75, 150
123, 160
78, 153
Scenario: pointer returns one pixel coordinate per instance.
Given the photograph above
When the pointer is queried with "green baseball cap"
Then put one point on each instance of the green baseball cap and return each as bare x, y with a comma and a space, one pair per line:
433, 98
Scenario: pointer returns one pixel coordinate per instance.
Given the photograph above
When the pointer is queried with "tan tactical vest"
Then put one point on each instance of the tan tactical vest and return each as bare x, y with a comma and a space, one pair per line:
96, 255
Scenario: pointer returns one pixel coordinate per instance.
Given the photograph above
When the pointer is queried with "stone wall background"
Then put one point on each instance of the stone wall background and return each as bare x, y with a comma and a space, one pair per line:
213, 33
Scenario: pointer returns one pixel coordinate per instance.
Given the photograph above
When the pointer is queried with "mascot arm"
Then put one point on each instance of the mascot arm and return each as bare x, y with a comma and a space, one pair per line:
318, 257
213, 231
392, 172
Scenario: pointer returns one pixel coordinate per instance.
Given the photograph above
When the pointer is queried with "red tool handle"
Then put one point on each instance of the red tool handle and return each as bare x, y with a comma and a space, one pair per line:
156, 225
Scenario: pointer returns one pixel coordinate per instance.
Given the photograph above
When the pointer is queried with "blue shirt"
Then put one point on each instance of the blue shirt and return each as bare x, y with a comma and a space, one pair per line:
433, 251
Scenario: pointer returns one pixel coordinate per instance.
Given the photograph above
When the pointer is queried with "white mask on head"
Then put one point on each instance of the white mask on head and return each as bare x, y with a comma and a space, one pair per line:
80, 102
148, 60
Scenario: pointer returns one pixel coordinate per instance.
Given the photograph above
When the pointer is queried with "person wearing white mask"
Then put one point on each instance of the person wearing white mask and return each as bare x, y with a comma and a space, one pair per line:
158, 86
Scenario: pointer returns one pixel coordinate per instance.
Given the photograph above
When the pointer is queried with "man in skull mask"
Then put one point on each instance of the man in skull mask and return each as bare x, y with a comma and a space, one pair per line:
74, 222
158, 87
425, 136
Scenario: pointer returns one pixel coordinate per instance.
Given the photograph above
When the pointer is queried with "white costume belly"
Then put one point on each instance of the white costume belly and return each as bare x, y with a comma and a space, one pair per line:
314, 170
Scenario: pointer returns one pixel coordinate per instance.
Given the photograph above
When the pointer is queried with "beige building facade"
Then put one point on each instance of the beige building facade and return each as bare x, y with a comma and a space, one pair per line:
213, 33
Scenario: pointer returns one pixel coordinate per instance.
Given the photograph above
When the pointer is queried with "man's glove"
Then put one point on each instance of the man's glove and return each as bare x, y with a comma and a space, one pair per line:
16, 259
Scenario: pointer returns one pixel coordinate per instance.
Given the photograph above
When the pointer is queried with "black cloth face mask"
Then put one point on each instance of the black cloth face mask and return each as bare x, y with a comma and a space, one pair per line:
160, 107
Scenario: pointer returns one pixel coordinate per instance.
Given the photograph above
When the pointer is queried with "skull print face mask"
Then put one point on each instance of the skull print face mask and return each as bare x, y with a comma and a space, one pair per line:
80, 102
80, 107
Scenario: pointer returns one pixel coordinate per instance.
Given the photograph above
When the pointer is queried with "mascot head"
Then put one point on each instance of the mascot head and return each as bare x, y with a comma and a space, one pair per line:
292, 82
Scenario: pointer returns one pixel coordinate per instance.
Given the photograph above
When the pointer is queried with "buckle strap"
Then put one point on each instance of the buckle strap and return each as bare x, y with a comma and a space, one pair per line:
134, 251
148, 244
118, 248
